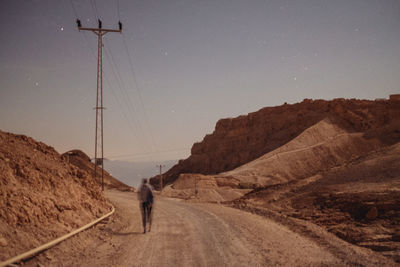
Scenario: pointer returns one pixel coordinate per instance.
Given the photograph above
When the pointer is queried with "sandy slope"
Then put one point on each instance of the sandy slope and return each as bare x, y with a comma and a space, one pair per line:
42, 196
187, 234
358, 201
320, 147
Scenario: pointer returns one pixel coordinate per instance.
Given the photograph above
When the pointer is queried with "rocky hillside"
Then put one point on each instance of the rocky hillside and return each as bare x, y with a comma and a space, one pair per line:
82, 161
358, 201
42, 196
238, 141
337, 165
320, 147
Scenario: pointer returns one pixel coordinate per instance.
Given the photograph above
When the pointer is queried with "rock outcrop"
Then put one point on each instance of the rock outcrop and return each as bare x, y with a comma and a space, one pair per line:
203, 188
83, 162
240, 140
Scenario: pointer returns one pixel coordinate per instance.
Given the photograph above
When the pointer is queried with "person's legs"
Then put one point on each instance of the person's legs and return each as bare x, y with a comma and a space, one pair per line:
143, 209
149, 214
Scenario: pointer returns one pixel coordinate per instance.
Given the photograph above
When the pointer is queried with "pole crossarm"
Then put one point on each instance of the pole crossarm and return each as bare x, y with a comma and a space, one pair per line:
98, 30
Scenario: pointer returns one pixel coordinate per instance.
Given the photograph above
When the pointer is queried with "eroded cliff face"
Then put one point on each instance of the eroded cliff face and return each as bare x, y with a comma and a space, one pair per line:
237, 141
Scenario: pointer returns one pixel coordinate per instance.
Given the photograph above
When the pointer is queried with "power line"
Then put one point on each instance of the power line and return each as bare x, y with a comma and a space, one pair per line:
148, 153
155, 145
122, 111
138, 90
84, 33
128, 106
119, 15
134, 127
122, 88
109, 84
112, 90
94, 8
73, 8
119, 80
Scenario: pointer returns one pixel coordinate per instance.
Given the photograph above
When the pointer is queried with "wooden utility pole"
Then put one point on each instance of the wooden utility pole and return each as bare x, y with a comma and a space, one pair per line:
161, 181
99, 95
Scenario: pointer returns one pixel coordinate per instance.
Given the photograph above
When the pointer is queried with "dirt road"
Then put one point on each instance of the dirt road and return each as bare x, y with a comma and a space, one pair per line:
187, 234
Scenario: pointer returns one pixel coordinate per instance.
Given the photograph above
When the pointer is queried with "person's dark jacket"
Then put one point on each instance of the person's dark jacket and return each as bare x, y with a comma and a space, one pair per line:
145, 194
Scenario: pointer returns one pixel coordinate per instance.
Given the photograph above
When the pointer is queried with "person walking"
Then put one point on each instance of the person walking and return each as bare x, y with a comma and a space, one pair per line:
146, 203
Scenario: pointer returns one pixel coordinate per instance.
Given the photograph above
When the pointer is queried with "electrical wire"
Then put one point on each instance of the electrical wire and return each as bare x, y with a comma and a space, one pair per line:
138, 91
94, 8
109, 84
119, 80
148, 153
150, 131
73, 9
119, 15
122, 111
84, 33
155, 145
127, 109
122, 88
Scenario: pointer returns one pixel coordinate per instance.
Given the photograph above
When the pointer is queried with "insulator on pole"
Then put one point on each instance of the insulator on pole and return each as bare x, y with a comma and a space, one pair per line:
99, 24
78, 22
120, 25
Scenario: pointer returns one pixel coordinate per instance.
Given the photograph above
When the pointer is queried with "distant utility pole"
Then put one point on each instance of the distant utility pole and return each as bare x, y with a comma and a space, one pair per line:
99, 97
161, 181
195, 186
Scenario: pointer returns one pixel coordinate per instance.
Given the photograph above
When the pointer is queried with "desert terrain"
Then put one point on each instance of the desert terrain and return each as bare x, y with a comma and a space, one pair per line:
201, 234
43, 195
337, 167
358, 202
313, 183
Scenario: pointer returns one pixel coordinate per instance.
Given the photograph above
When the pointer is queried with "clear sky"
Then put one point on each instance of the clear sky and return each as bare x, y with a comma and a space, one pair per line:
181, 65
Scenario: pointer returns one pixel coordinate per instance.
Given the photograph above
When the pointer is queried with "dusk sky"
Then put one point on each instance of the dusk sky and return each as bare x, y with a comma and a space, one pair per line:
180, 66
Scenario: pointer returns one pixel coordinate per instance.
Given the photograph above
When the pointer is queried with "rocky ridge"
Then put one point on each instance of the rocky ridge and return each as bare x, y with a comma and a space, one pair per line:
237, 141
342, 172
83, 162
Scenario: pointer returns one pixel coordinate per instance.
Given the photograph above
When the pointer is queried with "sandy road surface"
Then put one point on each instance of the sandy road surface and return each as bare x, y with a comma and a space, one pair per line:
187, 234
209, 235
